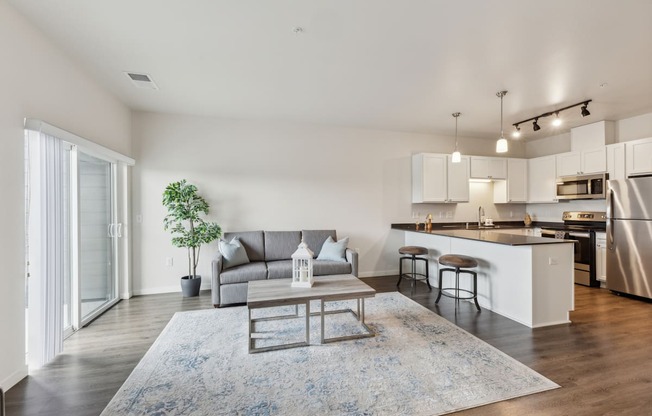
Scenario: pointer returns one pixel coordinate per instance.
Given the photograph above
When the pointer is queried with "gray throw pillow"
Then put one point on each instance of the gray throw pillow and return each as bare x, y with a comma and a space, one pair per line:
332, 250
233, 252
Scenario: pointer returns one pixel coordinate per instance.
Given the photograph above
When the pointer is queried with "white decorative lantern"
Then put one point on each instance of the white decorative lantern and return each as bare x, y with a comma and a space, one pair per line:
302, 266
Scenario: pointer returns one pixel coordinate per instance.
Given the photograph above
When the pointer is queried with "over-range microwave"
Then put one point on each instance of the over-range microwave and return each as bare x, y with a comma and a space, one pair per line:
582, 186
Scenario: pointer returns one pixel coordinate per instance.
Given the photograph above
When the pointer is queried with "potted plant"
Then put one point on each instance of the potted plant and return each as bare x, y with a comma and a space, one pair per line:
189, 230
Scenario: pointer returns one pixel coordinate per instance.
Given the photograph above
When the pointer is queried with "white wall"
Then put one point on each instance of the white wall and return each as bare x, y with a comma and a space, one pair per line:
278, 176
38, 81
634, 128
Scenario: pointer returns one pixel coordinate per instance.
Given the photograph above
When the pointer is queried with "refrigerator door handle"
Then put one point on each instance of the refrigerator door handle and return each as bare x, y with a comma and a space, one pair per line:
610, 221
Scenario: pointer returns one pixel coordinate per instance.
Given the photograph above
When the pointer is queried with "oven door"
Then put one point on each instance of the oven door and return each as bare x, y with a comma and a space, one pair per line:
583, 256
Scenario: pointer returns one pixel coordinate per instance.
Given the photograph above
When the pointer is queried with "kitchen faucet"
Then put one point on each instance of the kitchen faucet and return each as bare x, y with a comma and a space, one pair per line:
480, 215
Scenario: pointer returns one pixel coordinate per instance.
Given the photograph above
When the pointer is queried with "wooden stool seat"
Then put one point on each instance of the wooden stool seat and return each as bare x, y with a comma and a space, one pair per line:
410, 253
413, 250
458, 260
457, 263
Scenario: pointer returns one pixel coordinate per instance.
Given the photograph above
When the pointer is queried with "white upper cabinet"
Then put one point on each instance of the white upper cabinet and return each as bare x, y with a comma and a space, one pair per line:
582, 162
488, 167
594, 161
436, 179
569, 164
542, 179
458, 180
514, 189
616, 161
638, 155
592, 136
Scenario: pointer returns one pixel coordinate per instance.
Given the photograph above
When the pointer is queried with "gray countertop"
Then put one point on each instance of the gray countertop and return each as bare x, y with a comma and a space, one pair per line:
486, 235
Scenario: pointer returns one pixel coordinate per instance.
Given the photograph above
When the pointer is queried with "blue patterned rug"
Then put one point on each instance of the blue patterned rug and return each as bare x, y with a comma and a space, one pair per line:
418, 364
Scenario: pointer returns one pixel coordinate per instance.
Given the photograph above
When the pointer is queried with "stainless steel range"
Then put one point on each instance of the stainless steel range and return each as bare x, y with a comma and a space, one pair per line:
580, 226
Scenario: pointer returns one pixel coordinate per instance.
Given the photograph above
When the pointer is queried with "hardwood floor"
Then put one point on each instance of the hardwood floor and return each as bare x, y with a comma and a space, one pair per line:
603, 360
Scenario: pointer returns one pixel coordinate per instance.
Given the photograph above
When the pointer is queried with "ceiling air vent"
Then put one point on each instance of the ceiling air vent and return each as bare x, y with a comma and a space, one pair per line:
142, 80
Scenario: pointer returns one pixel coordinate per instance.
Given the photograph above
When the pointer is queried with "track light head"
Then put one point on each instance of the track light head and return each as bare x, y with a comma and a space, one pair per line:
535, 125
557, 121
517, 132
585, 111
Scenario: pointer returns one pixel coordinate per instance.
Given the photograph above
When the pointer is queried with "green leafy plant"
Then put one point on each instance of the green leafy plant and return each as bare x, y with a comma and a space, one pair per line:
183, 220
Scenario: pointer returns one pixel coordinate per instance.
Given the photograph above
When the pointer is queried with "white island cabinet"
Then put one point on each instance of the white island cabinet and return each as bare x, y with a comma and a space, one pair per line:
524, 278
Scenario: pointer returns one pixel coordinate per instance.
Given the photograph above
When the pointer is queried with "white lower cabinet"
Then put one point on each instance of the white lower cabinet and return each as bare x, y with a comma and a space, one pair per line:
601, 257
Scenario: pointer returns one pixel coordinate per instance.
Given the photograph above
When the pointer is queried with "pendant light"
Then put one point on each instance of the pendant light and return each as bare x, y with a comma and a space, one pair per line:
456, 156
501, 144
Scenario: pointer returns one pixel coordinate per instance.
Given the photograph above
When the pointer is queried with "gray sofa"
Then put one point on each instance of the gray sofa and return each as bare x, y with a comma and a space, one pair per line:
269, 255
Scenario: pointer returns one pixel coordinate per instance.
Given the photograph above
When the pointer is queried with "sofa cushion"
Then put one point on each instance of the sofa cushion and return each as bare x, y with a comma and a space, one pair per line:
252, 241
324, 267
279, 245
244, 273
332, 250
279, 269
233, 253
315, 239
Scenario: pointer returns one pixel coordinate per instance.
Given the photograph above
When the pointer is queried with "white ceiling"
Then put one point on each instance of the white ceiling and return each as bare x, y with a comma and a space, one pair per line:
382, 64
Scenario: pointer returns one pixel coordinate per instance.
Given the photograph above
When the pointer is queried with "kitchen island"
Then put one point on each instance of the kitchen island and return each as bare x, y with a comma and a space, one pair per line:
525, 278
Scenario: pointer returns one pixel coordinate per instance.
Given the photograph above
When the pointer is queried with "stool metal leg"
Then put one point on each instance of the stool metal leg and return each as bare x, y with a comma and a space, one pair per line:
475, 290
457, 286
428, 276
414, 275
400, 271
441, 272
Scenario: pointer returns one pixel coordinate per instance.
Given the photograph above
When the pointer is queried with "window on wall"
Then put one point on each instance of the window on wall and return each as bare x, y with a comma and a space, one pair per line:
75, 215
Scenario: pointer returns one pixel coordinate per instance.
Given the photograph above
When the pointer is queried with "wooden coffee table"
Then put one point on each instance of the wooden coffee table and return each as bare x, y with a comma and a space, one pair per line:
279, 292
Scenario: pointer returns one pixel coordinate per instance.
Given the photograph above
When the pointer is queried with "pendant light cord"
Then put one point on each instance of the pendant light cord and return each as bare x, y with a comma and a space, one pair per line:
501, 94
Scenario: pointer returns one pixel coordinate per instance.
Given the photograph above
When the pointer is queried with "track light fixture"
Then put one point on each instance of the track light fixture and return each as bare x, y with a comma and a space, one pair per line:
557, 121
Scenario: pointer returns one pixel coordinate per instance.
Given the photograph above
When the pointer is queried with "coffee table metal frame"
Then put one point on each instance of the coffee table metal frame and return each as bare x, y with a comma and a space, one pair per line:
326, 289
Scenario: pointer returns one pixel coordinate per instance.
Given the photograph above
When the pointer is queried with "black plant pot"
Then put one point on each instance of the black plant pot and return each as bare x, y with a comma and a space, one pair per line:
190, 287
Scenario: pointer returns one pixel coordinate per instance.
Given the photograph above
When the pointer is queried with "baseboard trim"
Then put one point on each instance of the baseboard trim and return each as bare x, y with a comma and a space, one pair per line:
379, 273
166, 289
13, 378
126, 295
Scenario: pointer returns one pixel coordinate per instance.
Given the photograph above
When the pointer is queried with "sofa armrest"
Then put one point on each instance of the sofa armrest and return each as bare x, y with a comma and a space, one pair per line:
216, 269
352, 257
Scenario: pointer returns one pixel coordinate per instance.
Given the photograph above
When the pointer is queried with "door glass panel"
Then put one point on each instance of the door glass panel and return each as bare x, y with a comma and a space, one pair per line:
67, 254
97, 282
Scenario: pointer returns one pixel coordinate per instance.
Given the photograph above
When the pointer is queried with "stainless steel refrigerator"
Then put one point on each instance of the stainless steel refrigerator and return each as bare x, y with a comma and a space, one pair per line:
629, 236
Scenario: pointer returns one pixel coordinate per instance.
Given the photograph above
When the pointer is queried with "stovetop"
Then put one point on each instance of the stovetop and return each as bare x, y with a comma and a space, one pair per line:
581, 221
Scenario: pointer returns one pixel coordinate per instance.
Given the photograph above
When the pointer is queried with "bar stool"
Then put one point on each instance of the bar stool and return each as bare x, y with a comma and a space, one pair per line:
457, 263
411, 253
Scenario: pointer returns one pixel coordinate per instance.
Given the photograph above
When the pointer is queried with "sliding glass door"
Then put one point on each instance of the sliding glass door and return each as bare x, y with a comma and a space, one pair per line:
97, 232
76, 198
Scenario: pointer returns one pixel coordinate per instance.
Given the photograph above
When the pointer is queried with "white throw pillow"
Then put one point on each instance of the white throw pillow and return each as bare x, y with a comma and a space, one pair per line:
334, 251
233, 252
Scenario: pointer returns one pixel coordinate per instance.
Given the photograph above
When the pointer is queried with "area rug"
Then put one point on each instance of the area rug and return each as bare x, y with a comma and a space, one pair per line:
418, 364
